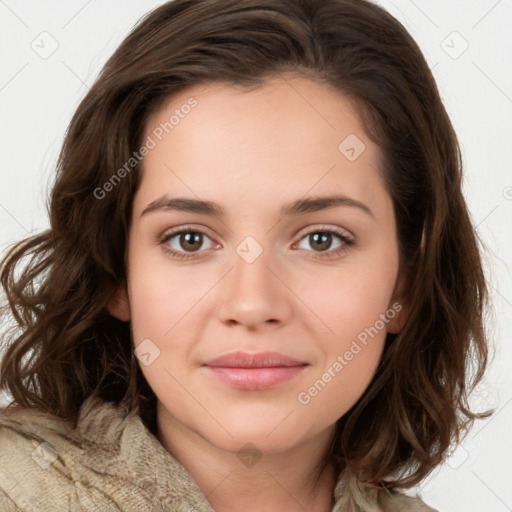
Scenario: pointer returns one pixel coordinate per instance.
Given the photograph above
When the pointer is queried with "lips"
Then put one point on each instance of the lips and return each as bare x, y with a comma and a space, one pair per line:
253, 372
259, 360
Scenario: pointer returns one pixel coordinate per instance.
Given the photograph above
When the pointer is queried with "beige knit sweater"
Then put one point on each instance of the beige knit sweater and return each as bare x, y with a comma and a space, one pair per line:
111, 462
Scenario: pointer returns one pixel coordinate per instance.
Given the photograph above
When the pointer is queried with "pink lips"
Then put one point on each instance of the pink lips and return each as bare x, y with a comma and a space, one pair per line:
254, 371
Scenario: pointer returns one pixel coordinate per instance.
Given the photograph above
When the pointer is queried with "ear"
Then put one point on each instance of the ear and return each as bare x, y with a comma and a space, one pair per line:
398, 310
119, 305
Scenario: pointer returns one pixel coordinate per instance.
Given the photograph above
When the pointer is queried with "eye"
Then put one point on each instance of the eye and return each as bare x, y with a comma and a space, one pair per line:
187, 242
321, 240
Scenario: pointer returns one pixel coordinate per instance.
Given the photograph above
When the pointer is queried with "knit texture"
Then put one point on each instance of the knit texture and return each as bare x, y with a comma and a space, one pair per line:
112, 462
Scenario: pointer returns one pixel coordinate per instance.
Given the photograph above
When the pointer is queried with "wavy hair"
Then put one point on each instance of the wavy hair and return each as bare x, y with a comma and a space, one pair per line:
65, 346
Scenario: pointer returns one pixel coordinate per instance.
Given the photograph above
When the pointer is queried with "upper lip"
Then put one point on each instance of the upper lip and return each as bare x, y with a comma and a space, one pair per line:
258, 360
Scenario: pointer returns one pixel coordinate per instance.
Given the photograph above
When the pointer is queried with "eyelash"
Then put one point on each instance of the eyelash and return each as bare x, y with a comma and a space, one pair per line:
347, 242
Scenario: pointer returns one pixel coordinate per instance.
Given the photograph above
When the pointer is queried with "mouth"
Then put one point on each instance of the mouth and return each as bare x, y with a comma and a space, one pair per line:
254, 372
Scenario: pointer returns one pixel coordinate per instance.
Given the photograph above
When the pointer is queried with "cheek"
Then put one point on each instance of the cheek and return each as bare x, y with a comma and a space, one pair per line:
347, 301
355, 305
351, 354
163, 298
168, 309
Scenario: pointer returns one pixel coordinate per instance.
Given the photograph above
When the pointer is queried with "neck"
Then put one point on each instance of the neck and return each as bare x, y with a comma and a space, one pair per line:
294, 480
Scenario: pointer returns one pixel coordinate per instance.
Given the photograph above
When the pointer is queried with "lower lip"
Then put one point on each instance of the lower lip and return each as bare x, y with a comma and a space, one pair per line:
254, 379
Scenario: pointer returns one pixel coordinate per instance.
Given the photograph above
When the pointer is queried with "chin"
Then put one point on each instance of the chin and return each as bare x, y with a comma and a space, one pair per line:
269, 435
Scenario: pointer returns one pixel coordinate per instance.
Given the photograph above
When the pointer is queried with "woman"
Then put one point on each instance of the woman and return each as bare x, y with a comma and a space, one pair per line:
261, 289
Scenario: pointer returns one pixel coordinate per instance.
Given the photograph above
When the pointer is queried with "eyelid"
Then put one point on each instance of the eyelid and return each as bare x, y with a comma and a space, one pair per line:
184, 229
326, 227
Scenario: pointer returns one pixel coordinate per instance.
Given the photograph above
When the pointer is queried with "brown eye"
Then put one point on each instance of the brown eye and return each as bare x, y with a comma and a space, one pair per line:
190, 241
323, 242
185, 243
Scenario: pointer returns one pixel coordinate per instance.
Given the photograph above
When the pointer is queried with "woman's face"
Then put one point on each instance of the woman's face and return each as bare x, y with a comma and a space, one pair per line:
275, 268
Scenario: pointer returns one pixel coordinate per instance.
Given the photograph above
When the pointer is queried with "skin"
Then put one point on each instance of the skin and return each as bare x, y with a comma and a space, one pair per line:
252, 152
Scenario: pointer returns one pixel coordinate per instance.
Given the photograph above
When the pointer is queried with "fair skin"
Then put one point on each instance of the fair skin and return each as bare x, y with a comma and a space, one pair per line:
251, 153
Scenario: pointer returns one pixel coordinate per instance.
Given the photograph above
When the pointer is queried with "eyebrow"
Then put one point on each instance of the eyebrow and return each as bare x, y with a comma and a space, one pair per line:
300, 206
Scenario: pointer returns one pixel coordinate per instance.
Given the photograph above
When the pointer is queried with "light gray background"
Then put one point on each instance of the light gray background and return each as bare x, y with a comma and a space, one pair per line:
38, 96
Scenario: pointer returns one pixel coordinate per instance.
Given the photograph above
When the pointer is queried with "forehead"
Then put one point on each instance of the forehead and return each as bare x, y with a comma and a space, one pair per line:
303, 107
287, 137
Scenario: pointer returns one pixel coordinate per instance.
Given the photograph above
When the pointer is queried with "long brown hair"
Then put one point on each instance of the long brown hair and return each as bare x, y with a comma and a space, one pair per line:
66, 346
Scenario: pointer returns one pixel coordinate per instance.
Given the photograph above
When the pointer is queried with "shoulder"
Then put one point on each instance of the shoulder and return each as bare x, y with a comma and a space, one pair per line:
6, 504
110, 462
352, 494
38, 456
26, 453
398, 502
45, 463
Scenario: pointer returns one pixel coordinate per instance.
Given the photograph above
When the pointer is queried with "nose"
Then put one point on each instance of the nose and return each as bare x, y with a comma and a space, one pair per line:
255, 293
